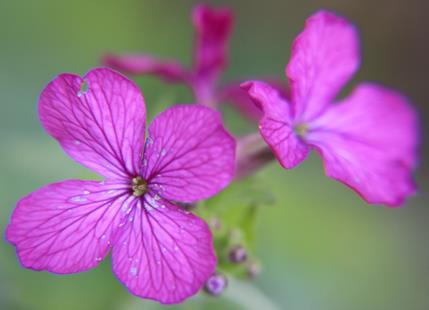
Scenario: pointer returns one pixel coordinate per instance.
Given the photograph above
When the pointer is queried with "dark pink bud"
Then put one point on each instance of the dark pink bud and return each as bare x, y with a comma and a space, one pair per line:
216, 284
253, 270
237, 254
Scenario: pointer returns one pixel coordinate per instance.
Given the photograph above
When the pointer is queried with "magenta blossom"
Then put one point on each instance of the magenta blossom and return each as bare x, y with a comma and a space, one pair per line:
159, 251
212, 31
368, 141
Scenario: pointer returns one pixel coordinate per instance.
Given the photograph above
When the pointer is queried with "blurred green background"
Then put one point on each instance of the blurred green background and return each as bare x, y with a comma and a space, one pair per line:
320, 245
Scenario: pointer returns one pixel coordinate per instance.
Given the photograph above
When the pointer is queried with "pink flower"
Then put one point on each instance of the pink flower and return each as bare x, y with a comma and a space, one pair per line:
213, 28
368, 141
159, 251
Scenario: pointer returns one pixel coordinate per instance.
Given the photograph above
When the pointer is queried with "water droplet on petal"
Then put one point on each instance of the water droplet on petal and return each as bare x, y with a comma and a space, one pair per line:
133, 271
86, 192
76, 142
163, 152
148, 208
98, 259
125, 206
148, 141
78, 199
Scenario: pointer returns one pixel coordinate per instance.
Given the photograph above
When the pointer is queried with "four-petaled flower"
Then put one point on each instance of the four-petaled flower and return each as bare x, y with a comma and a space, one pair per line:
213, 28
159, 250
367, 141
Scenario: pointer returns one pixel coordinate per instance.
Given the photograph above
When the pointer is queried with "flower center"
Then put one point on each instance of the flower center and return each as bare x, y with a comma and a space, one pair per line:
139, 186
301, 130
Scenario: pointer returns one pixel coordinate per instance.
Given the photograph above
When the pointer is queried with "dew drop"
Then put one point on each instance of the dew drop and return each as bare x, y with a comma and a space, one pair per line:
163, 152
76, 142
158, 262
98, 259
122, 223
164, 250
103, 237
148, 207
148, 142
125, 206
86, 192
78, 199
176, 248
133, 271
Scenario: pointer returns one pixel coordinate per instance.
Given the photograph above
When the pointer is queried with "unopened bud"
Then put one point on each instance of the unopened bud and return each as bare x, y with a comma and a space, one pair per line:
253, 270
237, 254
214, 223
216, 284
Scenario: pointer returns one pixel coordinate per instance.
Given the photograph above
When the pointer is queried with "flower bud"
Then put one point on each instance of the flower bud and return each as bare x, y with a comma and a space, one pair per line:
237, 254
253, 270
214, 223
216, 284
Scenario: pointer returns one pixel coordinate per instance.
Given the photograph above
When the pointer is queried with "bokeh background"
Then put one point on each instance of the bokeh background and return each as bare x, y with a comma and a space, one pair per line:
320, 245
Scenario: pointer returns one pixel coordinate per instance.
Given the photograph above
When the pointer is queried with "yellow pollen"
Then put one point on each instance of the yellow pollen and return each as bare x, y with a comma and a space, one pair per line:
301, 130
139, 186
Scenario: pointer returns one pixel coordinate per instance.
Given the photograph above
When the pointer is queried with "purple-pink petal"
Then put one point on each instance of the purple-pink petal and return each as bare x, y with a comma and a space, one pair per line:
99, 120
324, 58
165, 253
188, 155
66, 227
238, 97
213, 29
240, 100
169, 70
369, 142
277, 124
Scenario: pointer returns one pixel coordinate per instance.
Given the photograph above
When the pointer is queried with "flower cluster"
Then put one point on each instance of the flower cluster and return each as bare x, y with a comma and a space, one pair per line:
140, 210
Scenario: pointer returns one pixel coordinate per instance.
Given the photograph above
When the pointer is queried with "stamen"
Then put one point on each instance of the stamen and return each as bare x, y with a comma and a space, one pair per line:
139, 186
301, 130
